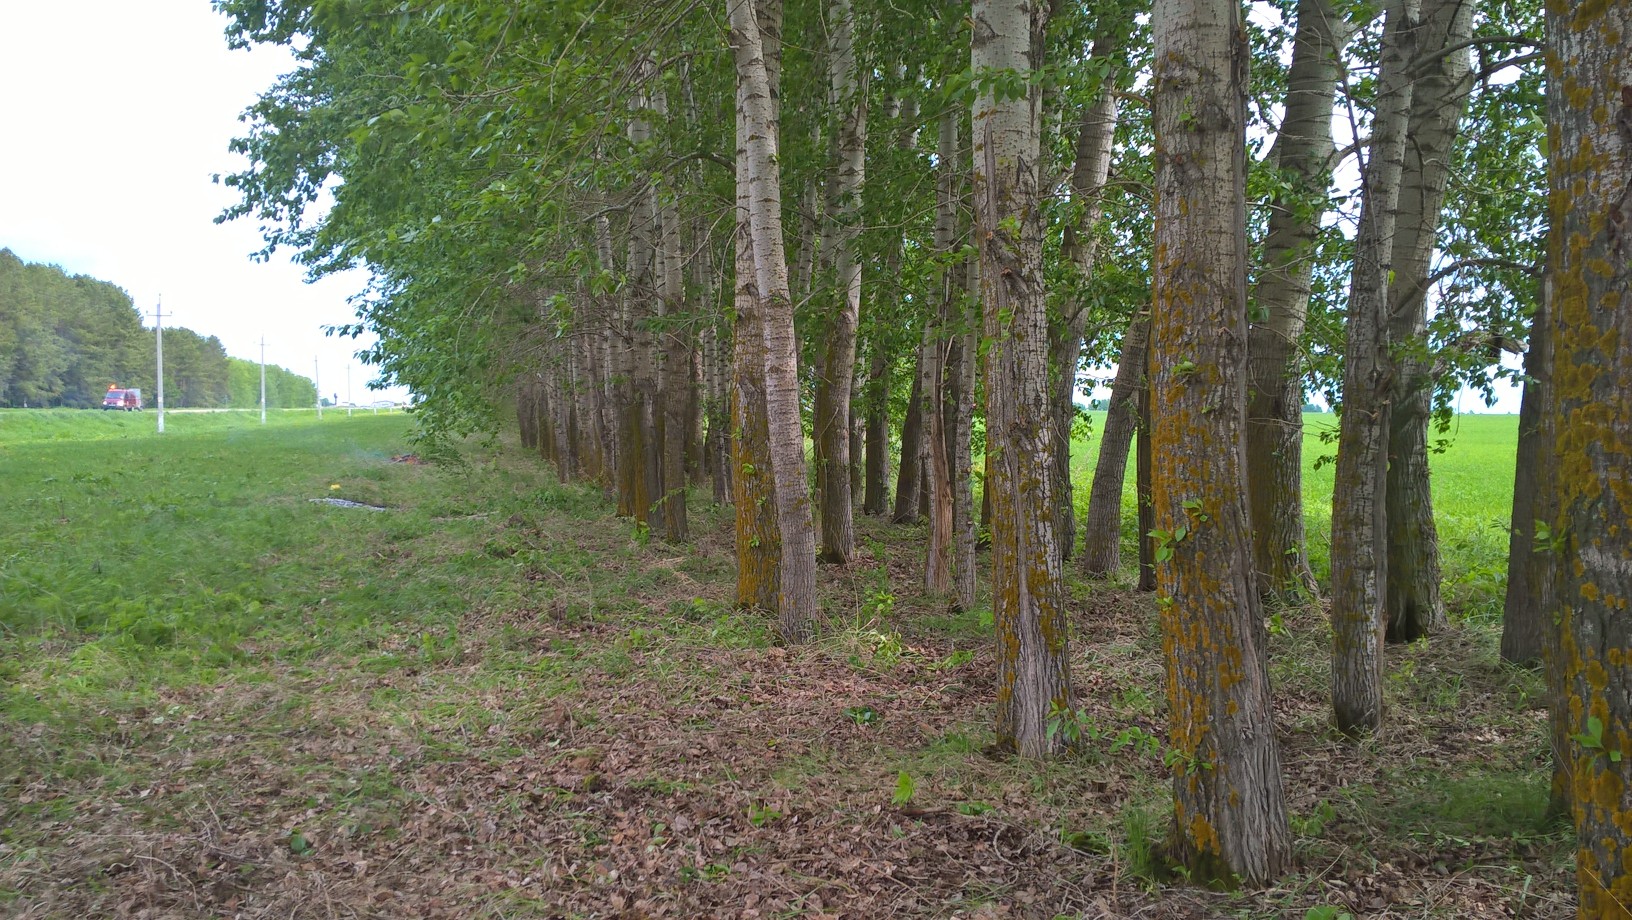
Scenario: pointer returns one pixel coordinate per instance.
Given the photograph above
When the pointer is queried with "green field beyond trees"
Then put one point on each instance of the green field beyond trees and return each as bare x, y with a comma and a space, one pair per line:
494, 698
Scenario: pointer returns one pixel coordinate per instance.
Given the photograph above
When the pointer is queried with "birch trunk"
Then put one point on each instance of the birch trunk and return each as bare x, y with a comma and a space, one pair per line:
1102, 536
1095, 132
1229, 809
676, 392
642, 460
1302, 154
609, 358
848, 97
1438, 100
1359, 524
758, 537
1589, 89
1027, 603
796, 599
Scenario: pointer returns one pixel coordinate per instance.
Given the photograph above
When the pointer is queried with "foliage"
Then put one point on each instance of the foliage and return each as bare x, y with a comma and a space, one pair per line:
65, 339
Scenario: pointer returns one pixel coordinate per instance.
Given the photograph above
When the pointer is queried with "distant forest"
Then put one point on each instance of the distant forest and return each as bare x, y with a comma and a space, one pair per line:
64, 339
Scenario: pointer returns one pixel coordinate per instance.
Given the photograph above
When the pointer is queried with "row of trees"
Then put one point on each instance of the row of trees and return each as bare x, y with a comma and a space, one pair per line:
64, 339
859, 222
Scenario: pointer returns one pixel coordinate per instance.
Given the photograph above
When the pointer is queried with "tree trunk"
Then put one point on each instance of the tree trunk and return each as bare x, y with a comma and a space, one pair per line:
1142, 497
796, 601
858, 435
527, 413
1095, 133
1028, 598
673, 398
758, 538
875, 498
642, 461
1302, 154
910, 477
1229, 810
1438, 100
938, 562
1359, 525
1589, 93
609, 357
960, 409
939, 566
961, 393
718, 411
1523, 623
848, 97
1102, 537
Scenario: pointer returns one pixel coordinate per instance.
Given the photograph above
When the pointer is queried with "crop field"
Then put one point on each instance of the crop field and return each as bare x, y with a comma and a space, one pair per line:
471, 691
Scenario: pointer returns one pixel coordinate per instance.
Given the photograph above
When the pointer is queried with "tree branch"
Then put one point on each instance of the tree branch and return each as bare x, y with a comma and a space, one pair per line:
1422, 64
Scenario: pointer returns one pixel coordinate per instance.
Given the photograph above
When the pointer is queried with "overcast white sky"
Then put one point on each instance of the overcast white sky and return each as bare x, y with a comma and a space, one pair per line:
116, 113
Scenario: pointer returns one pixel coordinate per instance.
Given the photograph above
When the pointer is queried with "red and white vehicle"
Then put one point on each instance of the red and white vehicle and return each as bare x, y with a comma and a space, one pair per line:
128, 399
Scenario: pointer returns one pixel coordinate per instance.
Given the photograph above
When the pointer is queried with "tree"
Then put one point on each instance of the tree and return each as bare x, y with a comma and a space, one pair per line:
1096, 130
1589, 91
1229, 811
1301, 159
1523, 618
1359, 522
1443, 79
757, 139
1102, 541
847, 97
1027, 595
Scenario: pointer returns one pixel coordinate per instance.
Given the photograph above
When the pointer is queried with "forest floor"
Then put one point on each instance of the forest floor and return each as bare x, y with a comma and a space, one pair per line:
495, 699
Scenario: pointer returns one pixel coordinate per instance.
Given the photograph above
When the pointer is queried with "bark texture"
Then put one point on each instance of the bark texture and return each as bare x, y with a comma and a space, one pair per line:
1523, 624
847, 96
1359, 525
1229, 809
1303, 150
675, 394
1102, 537
758, 538
1096, 129
938, 566
1027, 594
1438, 100
796, 599
1589, 88
1142, 498
909, 477
875, 497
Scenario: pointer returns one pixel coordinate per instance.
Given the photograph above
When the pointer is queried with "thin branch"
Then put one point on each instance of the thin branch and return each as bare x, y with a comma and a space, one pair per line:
1422, 64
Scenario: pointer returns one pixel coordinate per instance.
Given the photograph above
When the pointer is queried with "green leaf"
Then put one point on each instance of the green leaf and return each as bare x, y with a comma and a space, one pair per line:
904, 789
298, 844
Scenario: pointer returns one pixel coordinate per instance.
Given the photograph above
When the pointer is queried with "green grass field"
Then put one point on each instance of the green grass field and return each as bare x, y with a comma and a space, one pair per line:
1473, 496
493, 698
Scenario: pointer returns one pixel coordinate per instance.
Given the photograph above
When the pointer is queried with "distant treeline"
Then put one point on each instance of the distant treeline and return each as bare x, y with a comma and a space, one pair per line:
64, 339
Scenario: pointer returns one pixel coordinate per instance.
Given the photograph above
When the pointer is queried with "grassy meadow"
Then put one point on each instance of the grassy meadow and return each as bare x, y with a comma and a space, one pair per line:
1473, 497
483, 695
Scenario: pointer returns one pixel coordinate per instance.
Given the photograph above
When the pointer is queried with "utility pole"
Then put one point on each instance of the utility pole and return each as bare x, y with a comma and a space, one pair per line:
158, 332
263, 380
318, 386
